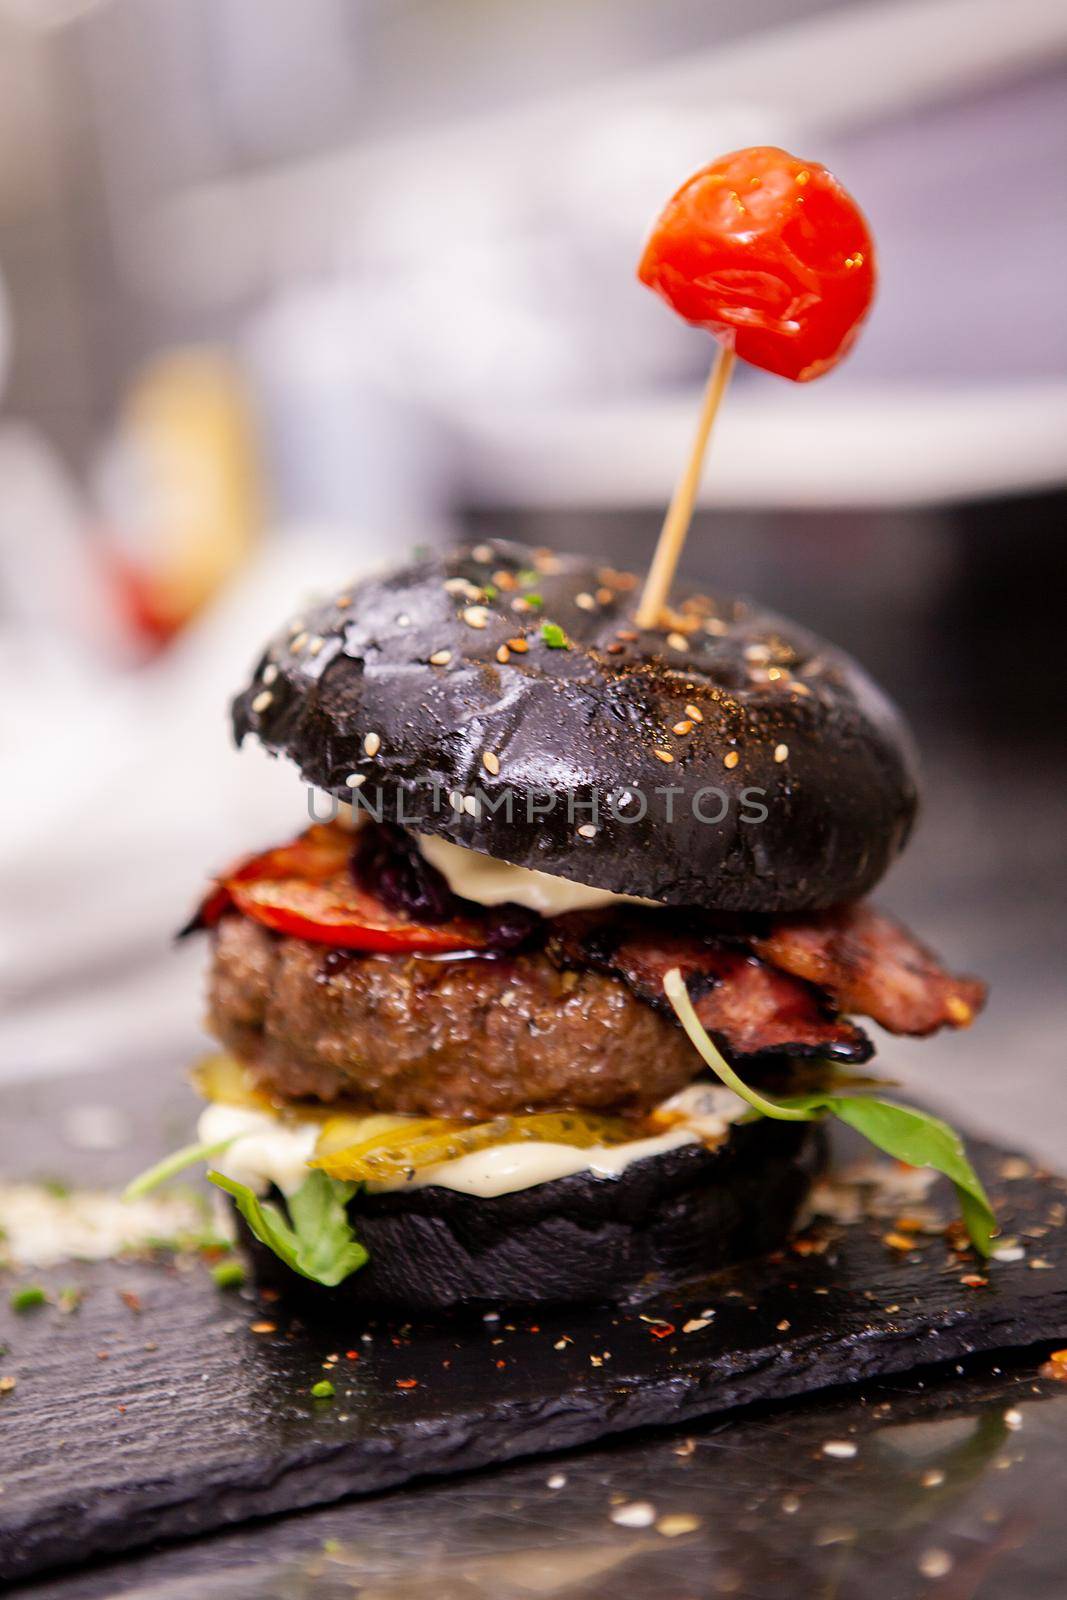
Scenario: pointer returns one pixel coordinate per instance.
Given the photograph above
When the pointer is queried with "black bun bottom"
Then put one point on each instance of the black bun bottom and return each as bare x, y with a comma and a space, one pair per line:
672, 1217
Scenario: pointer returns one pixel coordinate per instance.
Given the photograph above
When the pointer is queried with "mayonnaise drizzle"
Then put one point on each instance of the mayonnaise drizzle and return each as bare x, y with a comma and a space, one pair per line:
269, 1150
490, 882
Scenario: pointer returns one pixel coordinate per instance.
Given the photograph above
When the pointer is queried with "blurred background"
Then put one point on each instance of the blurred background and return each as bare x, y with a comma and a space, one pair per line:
286, 290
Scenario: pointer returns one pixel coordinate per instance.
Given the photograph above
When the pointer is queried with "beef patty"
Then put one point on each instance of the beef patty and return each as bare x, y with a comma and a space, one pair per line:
456, 1038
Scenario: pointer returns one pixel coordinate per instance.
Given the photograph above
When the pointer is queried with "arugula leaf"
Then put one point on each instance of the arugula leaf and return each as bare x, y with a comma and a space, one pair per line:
172, 1164
901, 1131
318, 1242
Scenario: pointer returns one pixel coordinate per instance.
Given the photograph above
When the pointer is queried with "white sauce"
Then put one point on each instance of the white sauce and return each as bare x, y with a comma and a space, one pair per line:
490, 882
267, 1150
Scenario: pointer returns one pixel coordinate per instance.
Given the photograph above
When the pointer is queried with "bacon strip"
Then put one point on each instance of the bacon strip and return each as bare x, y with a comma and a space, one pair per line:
747, 1006
867, 963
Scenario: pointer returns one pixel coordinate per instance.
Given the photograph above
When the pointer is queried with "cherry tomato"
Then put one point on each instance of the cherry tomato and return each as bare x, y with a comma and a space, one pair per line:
306, 889
770, 251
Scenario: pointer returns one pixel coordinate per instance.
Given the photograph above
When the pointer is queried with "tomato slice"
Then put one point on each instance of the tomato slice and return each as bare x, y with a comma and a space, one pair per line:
305, 889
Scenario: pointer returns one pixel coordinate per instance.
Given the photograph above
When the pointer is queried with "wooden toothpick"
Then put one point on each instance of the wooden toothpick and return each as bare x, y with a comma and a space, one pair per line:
680, 511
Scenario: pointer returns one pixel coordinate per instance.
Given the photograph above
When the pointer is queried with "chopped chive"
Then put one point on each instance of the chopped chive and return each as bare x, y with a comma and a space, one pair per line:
554, 636
323, 1390
27, 1299
228, 1275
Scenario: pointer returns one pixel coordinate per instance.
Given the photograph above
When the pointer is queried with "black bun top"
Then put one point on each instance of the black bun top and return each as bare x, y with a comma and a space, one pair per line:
497, 694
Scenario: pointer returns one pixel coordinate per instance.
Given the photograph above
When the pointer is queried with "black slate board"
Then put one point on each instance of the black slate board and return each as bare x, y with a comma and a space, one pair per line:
130, 1425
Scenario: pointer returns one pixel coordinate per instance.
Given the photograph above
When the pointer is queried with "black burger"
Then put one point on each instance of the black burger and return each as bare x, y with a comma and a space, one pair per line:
551, 999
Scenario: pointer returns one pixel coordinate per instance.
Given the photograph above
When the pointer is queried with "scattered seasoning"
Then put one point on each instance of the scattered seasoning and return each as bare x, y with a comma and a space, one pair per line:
1009, 1252
839, 1449
716, 626
678, 641
482, 553
585, 602
372, 743
784, 1326
228, 1275
356, 780
298, 643
626, 633
554, 636
270, 672
790, 1504
932, 1478
935, 1563
519, 646
615, 649
974, 1280
475, 616
635, 1514
407, 1383
781, 753
605, 596
587, 830
680, 1522
558, 1480
490, 762
899, 1241
1055, 1366
343, 601
263, 1327
663, 755
503, 654
694, 713
316, 645
958, 1009
695, 1324
7, 1383
504, 580
470, 805
731, 759
682, 727
323, 1390
262, 701
27, 1299
757, 652
463, 586
455, 800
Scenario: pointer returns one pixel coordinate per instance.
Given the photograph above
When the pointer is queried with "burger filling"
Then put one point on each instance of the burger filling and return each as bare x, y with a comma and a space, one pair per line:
398, 1012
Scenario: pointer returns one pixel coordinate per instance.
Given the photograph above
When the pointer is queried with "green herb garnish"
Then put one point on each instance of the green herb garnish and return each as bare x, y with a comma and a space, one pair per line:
525, 577
535, 601
228, 1275
187, 1156
554, 636
323, 1390
27, 1299
316, 1240
901, 1131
